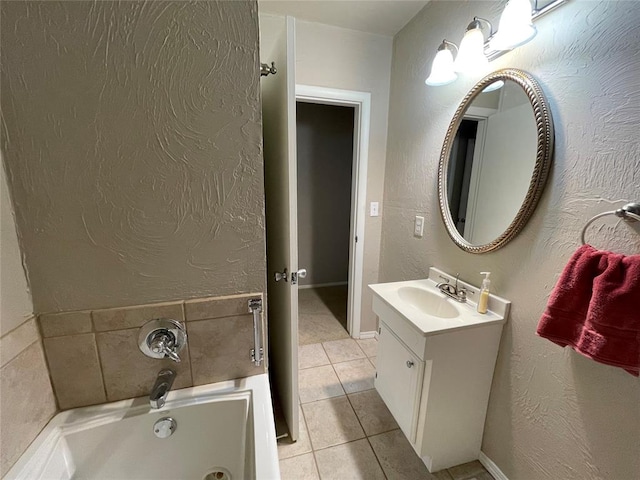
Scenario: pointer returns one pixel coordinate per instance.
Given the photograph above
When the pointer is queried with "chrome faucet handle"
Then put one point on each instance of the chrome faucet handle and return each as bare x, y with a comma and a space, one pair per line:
162, 338
164, 342
462, 294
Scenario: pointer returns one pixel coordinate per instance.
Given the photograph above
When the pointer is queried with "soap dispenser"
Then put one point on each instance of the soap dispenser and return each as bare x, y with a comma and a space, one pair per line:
483, 301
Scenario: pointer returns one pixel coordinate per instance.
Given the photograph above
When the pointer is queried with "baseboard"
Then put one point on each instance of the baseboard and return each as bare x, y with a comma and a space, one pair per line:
371, 334
491, 467
320, 285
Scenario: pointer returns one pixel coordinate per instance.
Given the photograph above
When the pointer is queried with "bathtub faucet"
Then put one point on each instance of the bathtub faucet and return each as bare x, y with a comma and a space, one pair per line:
161, 388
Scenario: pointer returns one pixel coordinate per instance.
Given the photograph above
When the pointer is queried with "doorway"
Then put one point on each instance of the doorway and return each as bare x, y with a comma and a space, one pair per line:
350, 111
325, 144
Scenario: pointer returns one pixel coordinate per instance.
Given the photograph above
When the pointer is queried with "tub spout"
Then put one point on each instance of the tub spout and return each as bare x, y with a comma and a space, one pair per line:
161, 388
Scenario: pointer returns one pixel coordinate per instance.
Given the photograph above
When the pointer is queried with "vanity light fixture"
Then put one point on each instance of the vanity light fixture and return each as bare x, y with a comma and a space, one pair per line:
515, 29
442, 72
471, 57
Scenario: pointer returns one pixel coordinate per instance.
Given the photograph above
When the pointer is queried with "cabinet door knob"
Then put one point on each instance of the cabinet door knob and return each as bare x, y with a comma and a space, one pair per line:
409, 364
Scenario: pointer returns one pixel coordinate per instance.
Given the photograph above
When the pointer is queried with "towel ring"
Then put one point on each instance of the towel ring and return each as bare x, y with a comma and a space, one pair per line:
629, 213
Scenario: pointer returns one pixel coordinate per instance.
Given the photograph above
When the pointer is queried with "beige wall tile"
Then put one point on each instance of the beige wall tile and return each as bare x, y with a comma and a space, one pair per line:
65, 323
220, 349
135, 316
27, 403
128, 372
218, 307
75, 370
17, 340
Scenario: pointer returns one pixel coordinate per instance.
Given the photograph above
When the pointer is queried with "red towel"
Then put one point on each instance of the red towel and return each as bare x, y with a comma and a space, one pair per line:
595, 308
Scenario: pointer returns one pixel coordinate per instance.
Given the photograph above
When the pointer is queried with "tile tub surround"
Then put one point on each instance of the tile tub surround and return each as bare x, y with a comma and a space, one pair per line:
93, 355
27, 402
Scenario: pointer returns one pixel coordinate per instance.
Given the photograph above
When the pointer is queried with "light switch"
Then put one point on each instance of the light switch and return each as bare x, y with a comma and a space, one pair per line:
374, 209
418, 229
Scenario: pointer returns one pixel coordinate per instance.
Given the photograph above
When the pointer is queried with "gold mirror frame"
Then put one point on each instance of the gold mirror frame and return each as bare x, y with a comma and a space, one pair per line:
544, 152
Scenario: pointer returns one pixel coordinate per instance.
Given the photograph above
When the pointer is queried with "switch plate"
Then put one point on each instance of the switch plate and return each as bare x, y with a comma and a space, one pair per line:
373, 212
418, 229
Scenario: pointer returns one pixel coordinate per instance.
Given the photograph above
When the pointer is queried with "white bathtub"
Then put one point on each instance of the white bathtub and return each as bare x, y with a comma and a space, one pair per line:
224, 427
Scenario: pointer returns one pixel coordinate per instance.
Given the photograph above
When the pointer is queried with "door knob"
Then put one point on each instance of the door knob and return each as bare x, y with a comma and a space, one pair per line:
302, 273
281, 276
409, 364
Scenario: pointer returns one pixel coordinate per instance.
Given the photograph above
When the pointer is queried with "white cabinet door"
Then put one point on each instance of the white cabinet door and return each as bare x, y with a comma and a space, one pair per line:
398, 380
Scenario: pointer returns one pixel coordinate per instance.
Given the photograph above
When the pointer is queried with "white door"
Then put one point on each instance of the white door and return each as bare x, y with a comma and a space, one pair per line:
279, 132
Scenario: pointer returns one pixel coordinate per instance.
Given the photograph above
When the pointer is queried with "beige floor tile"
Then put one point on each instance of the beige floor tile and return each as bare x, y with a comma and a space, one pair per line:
354, 460
343, 350
443, 475
318, 383
369, 346
318, 327
356, 375
323, 314
331, 422
398, 459
467, 471
288, 449
312, 356
372, 412
481, 476
302, 467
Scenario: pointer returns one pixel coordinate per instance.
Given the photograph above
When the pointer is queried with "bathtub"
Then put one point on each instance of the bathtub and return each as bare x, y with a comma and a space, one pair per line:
224, 431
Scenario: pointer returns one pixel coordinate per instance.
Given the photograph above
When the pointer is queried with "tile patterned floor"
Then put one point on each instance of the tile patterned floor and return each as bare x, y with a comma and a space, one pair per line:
322, 314
346, 430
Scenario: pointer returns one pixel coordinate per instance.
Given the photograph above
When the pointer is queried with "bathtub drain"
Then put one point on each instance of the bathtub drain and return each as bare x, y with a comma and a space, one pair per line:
218, 473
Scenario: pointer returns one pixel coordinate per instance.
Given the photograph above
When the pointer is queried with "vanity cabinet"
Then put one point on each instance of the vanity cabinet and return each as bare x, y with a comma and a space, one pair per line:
398, 380
435, 374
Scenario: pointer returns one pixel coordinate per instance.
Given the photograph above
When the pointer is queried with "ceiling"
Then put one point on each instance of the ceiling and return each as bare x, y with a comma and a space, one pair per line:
384, 17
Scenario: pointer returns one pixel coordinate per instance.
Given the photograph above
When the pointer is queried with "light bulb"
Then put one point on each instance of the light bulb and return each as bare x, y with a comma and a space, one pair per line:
471, 57
515, 26
442, 67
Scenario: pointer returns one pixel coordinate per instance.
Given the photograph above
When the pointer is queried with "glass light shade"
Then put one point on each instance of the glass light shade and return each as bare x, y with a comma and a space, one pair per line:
515, 27
494, 86
471, 57
442, 69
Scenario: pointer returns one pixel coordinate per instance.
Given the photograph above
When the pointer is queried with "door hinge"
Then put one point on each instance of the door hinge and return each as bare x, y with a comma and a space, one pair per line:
356, 238
376, 374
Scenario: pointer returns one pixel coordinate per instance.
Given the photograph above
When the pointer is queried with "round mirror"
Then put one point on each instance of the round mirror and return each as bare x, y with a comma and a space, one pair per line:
495, 160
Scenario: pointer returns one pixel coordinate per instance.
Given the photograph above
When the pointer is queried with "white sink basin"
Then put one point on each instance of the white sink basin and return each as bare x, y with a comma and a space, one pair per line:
421, 305
428, 302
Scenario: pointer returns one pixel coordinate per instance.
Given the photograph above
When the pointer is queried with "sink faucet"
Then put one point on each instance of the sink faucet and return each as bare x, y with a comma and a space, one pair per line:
452, 291
161, 388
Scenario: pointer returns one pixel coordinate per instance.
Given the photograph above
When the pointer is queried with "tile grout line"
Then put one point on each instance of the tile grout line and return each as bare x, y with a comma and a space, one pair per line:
366, 436
313, 450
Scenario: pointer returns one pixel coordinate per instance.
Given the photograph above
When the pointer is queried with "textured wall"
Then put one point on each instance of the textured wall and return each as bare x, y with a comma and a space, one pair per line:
15, 302
325, 158
339, 58
552, 414
133, 148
